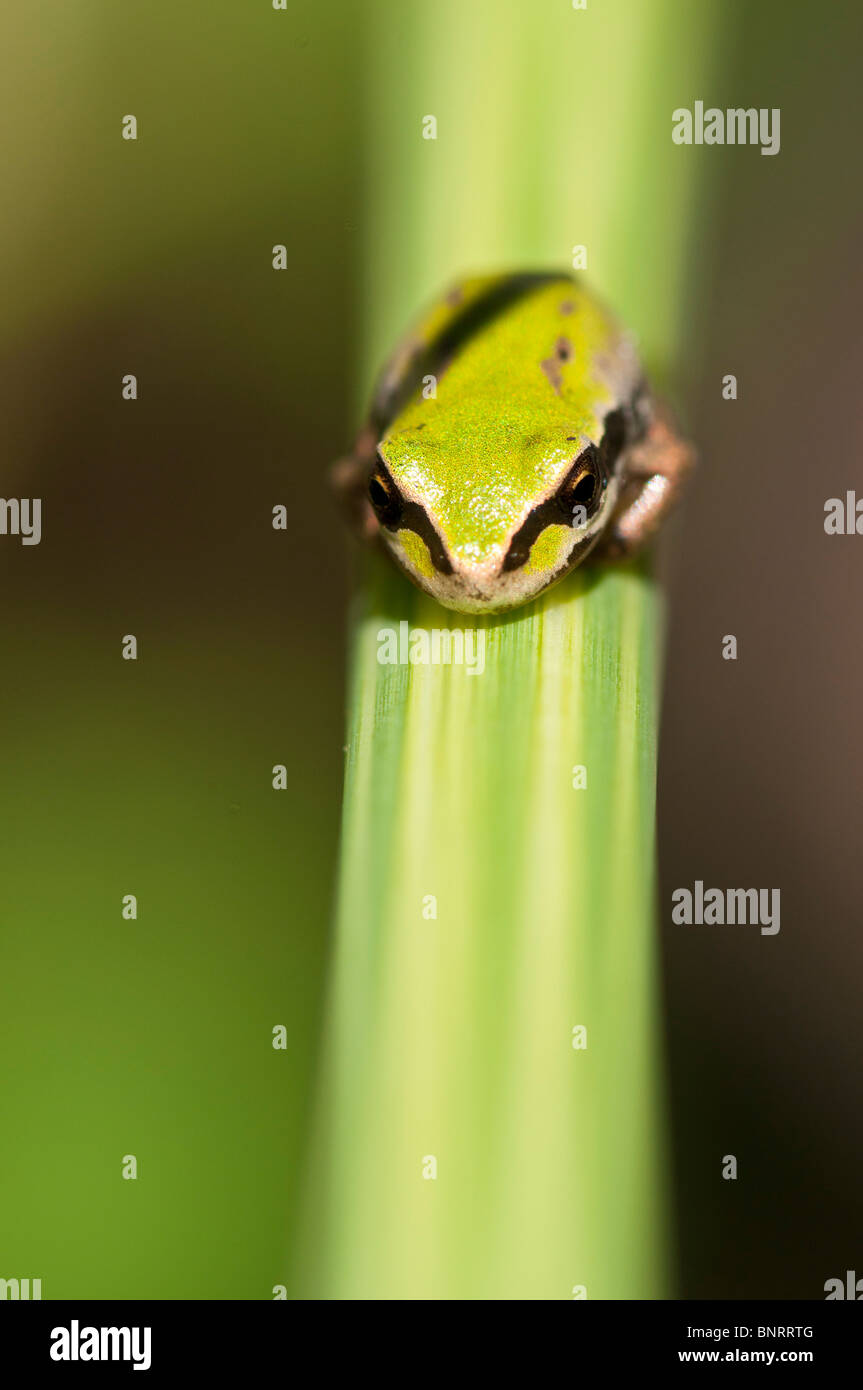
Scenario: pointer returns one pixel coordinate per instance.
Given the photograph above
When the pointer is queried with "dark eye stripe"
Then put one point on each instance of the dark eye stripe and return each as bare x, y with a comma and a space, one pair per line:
548, 513
396, 514
557, 509
415, 518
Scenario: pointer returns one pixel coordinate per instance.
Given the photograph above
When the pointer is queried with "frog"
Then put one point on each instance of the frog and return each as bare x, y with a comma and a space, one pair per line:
511, 434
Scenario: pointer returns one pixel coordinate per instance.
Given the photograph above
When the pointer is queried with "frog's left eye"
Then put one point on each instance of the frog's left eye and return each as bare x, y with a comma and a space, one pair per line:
385, 497
581, 487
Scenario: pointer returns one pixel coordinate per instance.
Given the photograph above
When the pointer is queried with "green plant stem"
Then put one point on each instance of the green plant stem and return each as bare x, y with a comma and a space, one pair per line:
451, 1036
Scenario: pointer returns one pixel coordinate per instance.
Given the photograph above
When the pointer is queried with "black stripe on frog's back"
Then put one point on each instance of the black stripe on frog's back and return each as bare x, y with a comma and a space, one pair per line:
403, 374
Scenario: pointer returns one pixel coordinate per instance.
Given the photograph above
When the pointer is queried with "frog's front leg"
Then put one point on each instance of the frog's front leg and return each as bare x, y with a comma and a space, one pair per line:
654, 470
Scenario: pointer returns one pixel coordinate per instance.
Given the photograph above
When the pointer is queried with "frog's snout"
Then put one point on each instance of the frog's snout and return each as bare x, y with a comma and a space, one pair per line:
486, 585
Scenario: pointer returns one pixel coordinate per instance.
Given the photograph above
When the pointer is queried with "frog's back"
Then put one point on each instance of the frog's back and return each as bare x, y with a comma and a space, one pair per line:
498, 336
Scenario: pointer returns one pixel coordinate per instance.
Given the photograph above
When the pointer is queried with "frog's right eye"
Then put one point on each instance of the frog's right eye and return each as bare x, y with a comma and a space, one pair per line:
581, 489
384, 497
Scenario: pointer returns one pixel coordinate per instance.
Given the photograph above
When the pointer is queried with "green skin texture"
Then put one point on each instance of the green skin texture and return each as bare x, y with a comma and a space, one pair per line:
501, 434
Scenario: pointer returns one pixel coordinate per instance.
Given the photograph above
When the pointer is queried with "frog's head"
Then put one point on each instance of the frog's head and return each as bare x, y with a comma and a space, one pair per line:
486, 516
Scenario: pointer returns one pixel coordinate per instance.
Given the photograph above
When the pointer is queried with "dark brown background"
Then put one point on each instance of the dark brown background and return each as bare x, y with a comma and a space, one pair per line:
761, 758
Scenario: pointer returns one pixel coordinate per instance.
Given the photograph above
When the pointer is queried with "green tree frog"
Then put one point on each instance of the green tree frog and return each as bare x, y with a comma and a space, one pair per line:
511, 434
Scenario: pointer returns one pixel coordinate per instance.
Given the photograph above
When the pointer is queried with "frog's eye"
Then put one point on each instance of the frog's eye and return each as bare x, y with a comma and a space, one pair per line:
384, 497
581, 487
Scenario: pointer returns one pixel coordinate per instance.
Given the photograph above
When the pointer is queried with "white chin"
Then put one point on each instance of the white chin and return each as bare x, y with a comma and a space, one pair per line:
506, 591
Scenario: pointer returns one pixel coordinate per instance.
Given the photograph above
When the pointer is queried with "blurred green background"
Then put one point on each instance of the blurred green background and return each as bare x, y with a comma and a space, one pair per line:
259, 127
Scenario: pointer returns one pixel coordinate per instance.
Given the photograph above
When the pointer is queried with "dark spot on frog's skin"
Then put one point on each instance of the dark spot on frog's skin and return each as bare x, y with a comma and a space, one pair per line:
551, 365
455, 296
567, 306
